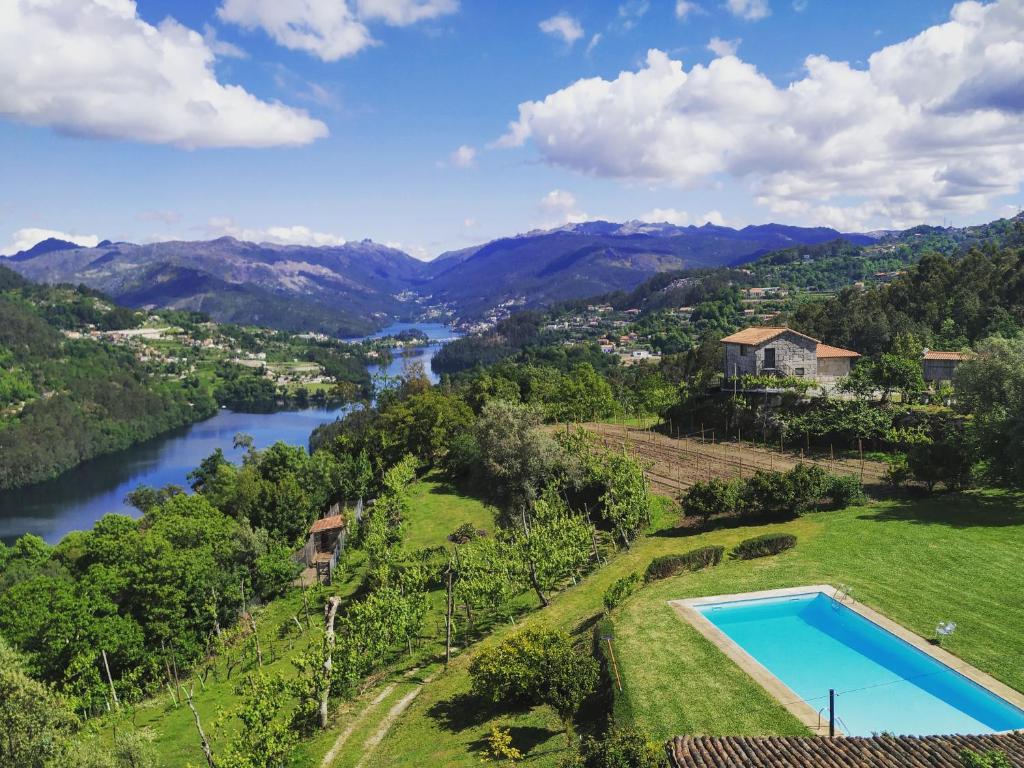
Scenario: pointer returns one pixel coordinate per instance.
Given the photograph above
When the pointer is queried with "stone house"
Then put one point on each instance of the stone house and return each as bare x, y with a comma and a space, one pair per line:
782, 351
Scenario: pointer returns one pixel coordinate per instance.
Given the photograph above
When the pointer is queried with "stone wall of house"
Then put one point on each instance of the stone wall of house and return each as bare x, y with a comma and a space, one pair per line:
831, 369
792, 352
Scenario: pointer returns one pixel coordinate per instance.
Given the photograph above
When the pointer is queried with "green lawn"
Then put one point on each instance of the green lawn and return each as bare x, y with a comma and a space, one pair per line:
437, 509
944, 557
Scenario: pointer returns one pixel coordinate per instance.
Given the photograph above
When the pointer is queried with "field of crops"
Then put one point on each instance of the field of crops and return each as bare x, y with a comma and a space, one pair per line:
677, 462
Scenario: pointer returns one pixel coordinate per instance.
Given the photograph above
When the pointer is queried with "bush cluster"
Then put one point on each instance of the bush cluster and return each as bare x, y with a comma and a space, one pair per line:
670, 565
772, 495
763, 546
620, 590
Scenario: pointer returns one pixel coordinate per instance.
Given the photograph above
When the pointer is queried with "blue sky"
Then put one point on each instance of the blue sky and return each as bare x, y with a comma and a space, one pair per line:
323, 122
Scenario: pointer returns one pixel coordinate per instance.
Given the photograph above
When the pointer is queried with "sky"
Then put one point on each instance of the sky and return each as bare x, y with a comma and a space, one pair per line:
433, 125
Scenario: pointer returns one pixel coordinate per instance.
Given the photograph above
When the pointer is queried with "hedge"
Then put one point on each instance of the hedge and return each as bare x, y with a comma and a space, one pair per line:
763, 546
620, 590
670, 565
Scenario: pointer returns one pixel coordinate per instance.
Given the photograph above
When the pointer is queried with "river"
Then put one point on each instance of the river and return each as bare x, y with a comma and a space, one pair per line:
81, 496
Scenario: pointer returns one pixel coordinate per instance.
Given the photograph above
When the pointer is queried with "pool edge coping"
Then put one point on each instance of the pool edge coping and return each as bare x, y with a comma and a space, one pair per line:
807, 715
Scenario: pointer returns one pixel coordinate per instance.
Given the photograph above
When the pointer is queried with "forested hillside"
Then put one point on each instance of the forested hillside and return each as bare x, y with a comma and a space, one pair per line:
65, 400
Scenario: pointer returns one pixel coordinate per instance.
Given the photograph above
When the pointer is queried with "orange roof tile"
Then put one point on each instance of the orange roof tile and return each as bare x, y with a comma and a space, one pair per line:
825, 350
849, 752
757, 335
932, 354
328, 524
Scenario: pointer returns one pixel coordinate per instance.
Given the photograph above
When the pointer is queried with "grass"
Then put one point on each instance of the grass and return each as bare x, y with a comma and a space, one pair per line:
437, 510
919, 562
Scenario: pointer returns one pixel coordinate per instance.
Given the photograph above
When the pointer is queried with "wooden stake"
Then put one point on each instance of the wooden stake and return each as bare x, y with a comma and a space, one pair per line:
113, 693
204, 743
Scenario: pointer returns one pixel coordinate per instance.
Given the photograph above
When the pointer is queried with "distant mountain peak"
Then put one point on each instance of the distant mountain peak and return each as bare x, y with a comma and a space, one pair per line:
49, 245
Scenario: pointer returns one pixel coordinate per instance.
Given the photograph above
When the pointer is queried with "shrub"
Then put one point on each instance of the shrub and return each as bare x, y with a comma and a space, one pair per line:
620, 590
845, 491
465, 533
763, 546
624, 746
714, 497
994, 758
669, 565
898, 471
536, 667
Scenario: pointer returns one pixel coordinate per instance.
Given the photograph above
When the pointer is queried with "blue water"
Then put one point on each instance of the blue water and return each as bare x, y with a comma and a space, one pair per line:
882, 683
81, 496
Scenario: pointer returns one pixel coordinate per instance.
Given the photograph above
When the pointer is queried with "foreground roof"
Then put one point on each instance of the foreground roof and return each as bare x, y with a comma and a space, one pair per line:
826, 350
848, 752
331, 523
757, 335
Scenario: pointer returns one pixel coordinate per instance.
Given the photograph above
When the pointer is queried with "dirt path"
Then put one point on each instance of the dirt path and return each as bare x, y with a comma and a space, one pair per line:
677, 463
374, 739
343, 737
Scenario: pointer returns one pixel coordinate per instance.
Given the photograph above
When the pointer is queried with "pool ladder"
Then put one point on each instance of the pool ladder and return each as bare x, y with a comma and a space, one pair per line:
841, 595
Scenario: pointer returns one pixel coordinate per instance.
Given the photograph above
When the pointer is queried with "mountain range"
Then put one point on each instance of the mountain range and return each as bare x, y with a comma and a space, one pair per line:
353, 288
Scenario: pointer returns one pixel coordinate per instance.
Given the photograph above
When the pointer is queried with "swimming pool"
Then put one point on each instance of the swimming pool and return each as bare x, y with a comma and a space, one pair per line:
886, 680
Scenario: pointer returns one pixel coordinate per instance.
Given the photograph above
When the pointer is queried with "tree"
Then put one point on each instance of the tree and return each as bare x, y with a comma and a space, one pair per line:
990, 387
625, 503
265, 739
552, 544
536, 667
517, 457
35, 723
946, 457
704, 500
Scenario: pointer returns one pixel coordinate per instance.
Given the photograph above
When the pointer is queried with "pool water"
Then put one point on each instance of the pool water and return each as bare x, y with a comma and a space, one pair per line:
882, 683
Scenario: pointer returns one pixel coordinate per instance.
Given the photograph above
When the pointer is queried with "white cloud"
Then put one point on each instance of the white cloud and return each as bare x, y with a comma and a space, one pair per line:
280, 235
329, 29
800, 5
559, 207
933, 125
416, 251
666, 215
562, 26
631, 11
221, 47
25, 238
325, 28
721, 47
750, 10
712, 217
594, 42
94, 68
686, 8
463, 157
402, 13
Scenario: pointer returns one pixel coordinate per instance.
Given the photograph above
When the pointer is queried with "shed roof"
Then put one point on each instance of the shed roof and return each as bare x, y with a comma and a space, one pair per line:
825, 350
932, 354
850, 752
331, 523
757, 335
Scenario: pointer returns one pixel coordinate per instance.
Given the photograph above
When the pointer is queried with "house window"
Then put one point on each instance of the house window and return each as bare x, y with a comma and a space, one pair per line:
769, 357
799, 371
743, 350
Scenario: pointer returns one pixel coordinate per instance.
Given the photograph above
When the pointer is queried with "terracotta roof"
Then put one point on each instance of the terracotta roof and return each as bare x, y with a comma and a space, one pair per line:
824, 350
932, 354
328, 524
850, 752
757, 335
